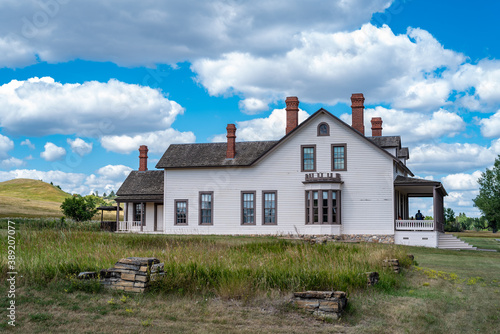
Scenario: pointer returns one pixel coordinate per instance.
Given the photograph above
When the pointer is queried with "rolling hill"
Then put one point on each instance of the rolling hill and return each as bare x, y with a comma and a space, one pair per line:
30, 198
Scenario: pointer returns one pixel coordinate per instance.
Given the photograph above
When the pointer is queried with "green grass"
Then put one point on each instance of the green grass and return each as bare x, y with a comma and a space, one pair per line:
483, 240
229, 267
228, 284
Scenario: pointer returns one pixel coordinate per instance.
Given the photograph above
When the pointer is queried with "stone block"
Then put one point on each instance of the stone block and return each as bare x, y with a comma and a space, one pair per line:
126, 266
307, 304
140, 278
133, 289
330, 306
314, 294
124, 283
128, 277
140, 285
339, 294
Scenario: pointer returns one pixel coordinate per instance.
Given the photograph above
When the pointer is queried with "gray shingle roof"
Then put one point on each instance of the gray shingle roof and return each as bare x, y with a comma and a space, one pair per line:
387, 141
142, 186
212, 154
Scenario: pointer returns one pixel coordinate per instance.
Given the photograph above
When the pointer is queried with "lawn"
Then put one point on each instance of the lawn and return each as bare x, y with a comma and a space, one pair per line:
243, 285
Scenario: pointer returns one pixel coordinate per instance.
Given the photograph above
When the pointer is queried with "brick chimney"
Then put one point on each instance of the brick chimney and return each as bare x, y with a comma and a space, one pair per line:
143, 158
376, 126
231, 141
357, 112
292, 113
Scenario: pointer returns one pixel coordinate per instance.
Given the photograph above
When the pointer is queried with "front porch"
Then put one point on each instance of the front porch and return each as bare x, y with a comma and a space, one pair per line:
410, 231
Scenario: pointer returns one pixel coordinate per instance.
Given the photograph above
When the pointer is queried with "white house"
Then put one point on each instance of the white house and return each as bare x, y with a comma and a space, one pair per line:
324, 177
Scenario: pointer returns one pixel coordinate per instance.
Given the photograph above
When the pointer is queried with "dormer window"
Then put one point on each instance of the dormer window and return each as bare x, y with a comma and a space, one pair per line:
323, 129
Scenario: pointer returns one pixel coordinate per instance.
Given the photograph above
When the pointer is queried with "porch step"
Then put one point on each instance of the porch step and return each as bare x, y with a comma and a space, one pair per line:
449, 241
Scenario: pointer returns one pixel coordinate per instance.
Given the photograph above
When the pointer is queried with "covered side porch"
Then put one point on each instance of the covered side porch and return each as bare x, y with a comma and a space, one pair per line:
141, 214
407, 229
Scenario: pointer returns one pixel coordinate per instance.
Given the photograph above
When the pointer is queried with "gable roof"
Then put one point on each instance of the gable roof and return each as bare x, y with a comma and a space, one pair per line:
247, 153
212, 154
147, 185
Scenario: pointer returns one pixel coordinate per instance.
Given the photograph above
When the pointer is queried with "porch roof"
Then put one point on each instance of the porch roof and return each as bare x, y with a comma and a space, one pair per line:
415, 187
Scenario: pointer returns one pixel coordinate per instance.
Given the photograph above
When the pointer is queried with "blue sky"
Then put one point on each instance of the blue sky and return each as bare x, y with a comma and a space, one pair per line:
84, 83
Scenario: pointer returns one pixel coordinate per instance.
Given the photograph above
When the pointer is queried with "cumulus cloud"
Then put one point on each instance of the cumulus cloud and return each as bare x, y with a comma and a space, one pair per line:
80, 147
268, 128
452, 158
11, 162
157, 141
115, 172
105, 179
490, 127
40, 106
328, 67
413, 126
28, 143
5, 145
461, 181
52, 152
150, 32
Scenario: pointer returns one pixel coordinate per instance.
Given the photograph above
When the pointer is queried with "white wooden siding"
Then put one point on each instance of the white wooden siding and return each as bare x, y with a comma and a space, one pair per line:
367, 191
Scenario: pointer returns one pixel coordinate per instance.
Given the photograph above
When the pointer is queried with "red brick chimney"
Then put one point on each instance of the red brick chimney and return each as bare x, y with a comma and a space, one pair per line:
292, 113
231, 141
143, 158
357, 112
376, 126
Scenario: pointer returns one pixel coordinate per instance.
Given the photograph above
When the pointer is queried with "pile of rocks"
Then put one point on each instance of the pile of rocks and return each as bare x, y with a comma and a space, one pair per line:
132, 274
354, 238
372, 278
325, 304
392, 263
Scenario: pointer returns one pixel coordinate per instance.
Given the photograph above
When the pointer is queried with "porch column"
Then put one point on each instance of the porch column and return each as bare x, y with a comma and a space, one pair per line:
117, 216
438, 210
143, 208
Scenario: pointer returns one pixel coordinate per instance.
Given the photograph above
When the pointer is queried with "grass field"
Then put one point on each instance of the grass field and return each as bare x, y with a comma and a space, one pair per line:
243, 284
34, 199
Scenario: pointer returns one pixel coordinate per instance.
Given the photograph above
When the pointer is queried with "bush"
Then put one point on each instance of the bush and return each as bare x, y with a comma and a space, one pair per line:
80, 208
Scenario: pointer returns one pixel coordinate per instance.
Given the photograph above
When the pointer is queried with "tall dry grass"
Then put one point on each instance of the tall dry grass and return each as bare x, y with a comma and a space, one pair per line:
230, 267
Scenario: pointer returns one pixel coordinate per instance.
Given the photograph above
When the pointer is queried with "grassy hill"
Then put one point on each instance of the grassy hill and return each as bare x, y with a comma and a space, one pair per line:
30, 198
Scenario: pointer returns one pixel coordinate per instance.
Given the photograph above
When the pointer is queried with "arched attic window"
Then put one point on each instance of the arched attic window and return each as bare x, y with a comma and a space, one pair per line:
323, 129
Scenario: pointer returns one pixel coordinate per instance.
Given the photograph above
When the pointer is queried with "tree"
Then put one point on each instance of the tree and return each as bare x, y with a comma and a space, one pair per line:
450, 224
488, 200
80, 208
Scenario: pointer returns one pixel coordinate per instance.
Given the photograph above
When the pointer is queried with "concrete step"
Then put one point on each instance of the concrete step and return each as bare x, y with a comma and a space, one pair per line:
448, 241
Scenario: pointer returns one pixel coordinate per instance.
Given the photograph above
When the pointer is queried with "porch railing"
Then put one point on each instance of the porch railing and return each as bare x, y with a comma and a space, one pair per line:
133, 226
415, 225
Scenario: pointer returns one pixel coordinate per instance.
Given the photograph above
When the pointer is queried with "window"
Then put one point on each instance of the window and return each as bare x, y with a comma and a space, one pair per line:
181, 212
248, 207
269, 207
323, 129
322, 207
206, 208
308, 158
339, 157
138, 212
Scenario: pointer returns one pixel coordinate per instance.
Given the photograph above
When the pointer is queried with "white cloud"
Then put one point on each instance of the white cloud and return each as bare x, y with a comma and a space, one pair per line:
11, 162
40, 106
28, 143
105, 179
80, 147
53, 152
452, 158
490, 127
412, 126
157, 141
149, 32
328, 67
5, 145
268, 128
461, 181
115, 172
